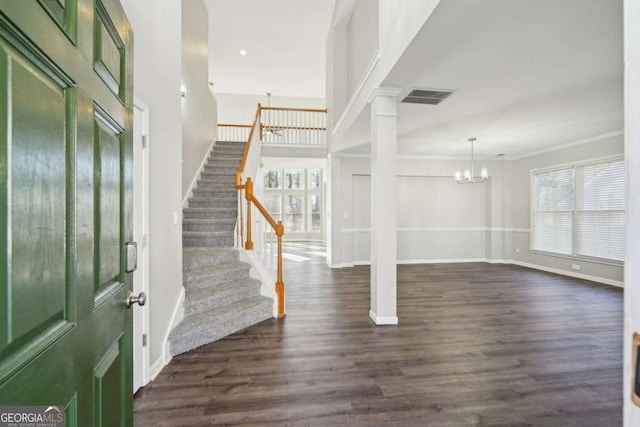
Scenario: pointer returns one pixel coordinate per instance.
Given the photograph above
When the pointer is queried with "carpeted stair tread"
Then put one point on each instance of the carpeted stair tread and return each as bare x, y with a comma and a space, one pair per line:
203, 299
207, 238
214, 202
223, 192
196, 213
205, 224
195, 257
207, 276
212, 325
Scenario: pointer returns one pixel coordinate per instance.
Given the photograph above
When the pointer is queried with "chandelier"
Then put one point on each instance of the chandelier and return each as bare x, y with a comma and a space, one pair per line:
468, 176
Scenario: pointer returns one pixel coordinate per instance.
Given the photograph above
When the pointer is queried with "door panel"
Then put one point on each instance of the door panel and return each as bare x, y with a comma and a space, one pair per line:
107, 220
65, 208
35, 295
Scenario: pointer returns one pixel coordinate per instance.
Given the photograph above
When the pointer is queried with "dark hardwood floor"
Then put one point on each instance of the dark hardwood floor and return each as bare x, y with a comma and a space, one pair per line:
477, 345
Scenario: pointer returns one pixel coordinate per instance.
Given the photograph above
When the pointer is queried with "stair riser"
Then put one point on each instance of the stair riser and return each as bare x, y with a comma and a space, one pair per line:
227, 152
213, 203
204, 334
216, 279
210, 241
216, 226
217, 174
230, 170
213, 214
220, 299
213, 184
227, 158
223, 161
208, 260
223, 193
230, 144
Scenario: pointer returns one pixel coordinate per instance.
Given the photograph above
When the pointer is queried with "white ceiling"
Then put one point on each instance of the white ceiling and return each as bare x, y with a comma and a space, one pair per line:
284, 40
528, 75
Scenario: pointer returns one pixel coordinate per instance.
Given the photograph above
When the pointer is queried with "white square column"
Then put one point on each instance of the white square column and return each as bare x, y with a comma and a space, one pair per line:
384, 141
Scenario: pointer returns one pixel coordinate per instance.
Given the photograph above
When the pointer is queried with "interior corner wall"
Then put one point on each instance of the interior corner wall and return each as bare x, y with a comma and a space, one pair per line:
157, 70
362, 42
521, 205
240, 109
199, 110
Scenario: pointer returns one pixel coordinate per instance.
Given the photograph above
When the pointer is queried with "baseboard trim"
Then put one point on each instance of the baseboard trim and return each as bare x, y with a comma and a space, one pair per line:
441, 261
588, 277
344, 265
582, 276
383, 320
157, 367
176, 317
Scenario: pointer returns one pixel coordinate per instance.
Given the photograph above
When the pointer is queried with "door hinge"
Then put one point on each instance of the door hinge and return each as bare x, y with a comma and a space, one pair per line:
144, 340
144, 141
144, 240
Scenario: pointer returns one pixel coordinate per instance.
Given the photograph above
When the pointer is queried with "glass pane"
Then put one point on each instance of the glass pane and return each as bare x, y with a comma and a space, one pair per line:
315, 178
294, 179
272, 179
315, 207
294, 213
272, 203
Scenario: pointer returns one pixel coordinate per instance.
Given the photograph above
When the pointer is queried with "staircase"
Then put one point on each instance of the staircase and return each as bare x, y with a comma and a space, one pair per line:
220, 297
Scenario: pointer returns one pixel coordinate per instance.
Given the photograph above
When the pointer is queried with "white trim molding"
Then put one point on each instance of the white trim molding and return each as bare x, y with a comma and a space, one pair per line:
597, 279
347, 110
176, 317
442, 229
383, 320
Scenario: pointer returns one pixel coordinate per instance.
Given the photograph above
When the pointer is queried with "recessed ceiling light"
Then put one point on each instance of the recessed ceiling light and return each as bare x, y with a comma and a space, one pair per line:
243, 52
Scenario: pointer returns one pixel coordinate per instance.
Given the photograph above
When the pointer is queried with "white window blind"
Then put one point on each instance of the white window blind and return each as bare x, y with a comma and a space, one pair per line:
600, 200
552, 216
579, 210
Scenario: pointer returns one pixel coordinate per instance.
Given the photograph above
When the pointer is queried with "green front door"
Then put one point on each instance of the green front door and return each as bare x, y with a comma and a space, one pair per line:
65, 208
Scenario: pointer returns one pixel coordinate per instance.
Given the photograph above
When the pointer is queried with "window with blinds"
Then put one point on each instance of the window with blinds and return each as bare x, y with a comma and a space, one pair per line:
578, 210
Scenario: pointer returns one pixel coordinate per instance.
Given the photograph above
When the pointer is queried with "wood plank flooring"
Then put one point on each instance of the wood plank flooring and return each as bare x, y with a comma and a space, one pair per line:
477, 345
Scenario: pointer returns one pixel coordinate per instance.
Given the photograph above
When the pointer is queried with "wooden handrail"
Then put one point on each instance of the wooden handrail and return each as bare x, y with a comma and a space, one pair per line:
256, 119
279, 231
233, 125
309, 110
276, 127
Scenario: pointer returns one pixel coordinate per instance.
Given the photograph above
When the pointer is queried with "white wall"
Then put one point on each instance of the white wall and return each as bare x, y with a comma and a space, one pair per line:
438, 220
240, 109
199, 110
157, 70
362, 42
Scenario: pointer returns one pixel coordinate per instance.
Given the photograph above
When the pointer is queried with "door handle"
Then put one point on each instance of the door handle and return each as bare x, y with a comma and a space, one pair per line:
141, 299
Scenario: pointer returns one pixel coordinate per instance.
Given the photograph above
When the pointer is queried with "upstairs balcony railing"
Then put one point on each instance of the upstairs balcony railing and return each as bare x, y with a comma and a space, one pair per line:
280, 125
299, 126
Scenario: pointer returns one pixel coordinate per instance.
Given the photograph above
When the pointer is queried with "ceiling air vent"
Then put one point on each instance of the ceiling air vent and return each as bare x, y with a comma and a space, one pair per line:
427, 96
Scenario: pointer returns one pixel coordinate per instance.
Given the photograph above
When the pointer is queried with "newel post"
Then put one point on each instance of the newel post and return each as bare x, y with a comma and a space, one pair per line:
279, 282
248, 194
